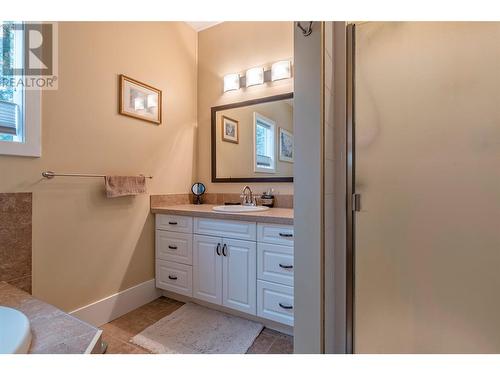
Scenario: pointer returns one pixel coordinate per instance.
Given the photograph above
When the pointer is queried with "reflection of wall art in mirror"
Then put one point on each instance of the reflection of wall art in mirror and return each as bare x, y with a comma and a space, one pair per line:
139, 100
230, 131
286, 146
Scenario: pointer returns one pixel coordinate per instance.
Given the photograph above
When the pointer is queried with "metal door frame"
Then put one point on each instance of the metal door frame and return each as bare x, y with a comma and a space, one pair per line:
350, 187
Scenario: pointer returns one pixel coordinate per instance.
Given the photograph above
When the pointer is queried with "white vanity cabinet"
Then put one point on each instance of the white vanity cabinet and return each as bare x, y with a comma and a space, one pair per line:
242, 265
174, 254
275, 272
239, 275
225, 272
207, 260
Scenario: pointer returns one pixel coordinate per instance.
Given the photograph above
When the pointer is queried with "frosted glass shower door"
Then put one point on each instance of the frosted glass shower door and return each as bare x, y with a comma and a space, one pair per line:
427, 167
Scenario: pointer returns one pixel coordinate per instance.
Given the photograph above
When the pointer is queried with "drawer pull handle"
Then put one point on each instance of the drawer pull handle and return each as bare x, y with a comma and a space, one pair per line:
287, 307
288, 235
172, 247
286, 266
172, 277
224, 250
217, 249
172, 222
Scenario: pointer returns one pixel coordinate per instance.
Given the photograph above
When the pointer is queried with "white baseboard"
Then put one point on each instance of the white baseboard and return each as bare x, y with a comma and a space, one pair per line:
112, 307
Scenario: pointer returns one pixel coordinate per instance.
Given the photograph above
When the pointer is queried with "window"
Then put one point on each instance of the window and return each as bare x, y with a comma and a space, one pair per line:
19, 108
11, 98
264, 144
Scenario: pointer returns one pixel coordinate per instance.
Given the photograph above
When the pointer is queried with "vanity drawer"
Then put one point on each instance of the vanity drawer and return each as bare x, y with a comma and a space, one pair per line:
174, 223
275, 233
242, 230
275, 263
275, 302
174, 246
175, 277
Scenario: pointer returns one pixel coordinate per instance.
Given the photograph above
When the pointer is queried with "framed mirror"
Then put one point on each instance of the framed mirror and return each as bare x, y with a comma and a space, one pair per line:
252, 141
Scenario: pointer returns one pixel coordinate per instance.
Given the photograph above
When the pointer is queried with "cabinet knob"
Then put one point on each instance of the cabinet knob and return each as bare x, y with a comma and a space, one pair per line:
224, 250
172, 277
172, 222
287, 307
172, 247
286, 266
217, 249
288, 235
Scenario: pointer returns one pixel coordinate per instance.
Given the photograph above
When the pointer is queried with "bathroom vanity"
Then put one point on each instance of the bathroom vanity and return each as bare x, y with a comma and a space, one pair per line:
240, 261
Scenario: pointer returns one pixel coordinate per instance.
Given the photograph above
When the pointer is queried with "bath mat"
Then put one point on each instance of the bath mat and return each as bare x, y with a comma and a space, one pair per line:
194, 329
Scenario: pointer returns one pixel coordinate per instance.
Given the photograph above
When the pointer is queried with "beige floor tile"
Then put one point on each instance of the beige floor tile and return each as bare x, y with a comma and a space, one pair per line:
116, 346
282, 346
262, 343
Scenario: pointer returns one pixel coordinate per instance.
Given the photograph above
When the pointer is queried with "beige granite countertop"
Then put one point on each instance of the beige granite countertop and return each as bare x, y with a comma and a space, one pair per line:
273, 215
52, 330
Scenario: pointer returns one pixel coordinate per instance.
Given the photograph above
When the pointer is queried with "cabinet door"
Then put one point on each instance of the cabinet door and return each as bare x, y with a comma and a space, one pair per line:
207, 269
239, 275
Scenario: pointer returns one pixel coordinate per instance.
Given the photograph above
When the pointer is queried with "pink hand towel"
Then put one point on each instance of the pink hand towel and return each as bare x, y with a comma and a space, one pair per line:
119, 186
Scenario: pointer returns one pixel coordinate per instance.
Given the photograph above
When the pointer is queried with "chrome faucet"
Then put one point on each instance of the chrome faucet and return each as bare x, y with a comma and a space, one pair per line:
248, 198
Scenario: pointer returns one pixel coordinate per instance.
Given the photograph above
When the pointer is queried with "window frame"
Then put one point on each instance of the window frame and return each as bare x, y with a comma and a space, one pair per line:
31, 112
272, 124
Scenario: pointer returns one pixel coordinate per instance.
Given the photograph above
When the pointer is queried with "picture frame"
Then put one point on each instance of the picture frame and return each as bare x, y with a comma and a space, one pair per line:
286, 146
139, 100
230, 130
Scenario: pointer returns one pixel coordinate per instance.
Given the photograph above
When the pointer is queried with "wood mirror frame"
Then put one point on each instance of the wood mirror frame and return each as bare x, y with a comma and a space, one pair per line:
214, 111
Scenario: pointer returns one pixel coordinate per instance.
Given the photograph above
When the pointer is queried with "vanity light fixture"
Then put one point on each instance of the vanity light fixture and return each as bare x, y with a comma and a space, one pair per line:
254, 76
258, 75
281, 70
231, 82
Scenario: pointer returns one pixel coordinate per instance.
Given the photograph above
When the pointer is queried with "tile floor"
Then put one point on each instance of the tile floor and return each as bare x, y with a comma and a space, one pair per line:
118, 332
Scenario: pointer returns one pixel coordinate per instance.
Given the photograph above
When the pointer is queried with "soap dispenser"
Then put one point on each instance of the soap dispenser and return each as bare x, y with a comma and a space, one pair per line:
267, 198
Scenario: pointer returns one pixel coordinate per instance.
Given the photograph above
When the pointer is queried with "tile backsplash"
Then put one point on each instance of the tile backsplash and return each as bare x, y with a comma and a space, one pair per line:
15, 239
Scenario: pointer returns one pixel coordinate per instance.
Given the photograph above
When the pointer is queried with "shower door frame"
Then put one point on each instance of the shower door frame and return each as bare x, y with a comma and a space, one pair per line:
350, 186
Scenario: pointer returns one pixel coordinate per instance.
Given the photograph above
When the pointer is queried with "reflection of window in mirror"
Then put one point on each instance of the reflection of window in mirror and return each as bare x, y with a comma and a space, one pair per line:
264, 130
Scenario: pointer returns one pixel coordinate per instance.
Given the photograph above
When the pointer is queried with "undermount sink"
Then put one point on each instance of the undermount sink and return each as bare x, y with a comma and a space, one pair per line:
15, 334
239, 208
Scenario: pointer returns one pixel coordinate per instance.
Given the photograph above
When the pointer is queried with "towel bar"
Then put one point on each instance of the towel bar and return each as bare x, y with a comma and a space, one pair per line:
50, 175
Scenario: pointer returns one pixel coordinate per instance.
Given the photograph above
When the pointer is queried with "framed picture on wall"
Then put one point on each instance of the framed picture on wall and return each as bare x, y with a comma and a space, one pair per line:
286, 146
139, 100
230, 130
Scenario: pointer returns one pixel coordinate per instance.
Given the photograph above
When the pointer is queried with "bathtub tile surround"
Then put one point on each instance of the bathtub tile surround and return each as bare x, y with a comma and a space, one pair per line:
53, 331
15, 239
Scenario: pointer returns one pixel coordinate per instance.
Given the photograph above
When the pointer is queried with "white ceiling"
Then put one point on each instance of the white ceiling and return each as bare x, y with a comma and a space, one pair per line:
198, 26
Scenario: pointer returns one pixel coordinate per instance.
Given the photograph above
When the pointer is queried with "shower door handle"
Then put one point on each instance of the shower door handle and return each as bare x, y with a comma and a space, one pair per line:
356, 202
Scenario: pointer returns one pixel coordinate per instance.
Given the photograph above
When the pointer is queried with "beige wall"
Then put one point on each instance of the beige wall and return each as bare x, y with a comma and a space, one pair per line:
85, 246
237, 159
234, 47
